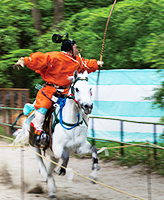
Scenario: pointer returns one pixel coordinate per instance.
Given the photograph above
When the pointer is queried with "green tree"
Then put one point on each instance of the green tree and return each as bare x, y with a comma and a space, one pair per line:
134, 37
131, 28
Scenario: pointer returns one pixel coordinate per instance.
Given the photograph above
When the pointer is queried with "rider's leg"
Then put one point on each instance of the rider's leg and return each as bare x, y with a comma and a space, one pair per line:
42, 104
37, 123
44, 100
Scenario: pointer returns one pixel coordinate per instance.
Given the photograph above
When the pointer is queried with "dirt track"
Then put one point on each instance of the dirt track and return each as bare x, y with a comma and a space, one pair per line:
132, 181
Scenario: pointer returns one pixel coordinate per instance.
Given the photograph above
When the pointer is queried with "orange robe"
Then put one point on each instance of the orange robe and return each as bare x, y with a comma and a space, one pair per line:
55, 68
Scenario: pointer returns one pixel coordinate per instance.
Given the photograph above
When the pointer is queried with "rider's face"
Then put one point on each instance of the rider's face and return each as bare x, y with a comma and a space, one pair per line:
75, 50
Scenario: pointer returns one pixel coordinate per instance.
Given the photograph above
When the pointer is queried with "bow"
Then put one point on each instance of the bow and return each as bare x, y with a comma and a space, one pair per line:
102, 50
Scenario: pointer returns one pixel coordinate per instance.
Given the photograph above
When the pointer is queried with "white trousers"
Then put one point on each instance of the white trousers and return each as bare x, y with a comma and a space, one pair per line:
38, 120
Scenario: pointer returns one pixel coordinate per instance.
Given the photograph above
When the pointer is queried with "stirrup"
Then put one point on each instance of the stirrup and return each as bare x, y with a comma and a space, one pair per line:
37, 140
44, 139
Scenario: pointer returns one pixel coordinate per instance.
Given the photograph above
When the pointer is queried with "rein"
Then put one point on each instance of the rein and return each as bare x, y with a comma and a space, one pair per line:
62, 104
62, 123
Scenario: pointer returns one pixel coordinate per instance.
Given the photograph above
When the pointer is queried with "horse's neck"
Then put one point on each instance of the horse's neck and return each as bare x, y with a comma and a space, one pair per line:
70, 112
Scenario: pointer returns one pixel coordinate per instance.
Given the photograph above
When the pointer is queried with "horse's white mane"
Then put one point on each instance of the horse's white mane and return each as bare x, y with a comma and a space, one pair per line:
80, 75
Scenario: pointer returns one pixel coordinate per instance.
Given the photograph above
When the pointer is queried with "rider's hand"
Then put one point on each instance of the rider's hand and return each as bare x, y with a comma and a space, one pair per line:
19, 64
100, 63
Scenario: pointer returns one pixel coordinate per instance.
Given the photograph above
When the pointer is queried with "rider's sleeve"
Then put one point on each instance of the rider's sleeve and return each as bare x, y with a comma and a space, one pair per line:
89, 65
37, 61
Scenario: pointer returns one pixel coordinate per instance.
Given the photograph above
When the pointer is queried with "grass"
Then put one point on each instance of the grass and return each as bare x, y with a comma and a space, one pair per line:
2, 132
133, 156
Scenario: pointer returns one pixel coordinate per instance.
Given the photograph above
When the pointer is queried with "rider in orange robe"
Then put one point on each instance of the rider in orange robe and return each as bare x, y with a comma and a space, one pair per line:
55, 68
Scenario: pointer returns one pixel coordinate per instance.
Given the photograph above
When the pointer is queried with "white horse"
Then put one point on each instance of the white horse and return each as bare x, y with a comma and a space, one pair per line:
70, 135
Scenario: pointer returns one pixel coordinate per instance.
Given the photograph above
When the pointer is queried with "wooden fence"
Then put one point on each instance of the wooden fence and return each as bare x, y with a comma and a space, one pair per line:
14, 98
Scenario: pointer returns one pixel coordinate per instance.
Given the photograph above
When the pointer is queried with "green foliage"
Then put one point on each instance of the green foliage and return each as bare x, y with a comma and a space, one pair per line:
134, 37
16, 25
154, 51
72, 6
158, 98
135, 28
46, 7
2, 131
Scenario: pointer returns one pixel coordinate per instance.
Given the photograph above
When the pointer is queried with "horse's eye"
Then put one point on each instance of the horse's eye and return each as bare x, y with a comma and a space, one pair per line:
91, 91
77, 90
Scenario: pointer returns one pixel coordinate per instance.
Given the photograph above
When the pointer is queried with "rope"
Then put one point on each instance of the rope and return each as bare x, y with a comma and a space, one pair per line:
72, 170
84, 176
104, 148
6, 137
126, 146
157, 146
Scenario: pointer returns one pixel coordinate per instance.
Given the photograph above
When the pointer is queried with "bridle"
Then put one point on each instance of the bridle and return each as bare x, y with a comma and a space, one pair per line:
62, 104
72, 95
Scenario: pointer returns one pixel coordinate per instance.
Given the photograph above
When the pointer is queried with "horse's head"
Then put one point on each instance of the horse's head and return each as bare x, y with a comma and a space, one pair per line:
81, 90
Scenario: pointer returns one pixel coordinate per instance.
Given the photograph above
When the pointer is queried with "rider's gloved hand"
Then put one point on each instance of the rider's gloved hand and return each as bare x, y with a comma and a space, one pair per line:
100, 63
19, 64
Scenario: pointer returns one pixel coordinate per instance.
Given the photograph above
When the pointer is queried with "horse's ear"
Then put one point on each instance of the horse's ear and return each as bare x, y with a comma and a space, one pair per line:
74, 77
85, 74
75, 74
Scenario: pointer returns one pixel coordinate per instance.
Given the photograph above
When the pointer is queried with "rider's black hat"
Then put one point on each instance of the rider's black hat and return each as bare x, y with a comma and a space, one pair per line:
67, 44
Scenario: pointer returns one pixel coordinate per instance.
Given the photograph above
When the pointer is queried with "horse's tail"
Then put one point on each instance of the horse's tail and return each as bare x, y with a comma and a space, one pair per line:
22, 138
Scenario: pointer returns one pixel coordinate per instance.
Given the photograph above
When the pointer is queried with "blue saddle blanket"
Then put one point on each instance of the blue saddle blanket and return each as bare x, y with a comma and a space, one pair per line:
28, 107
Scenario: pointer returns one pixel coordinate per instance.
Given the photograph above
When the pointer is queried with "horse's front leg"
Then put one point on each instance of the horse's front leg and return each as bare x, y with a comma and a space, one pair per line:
65, 158
88, 148
95, 165
60, 152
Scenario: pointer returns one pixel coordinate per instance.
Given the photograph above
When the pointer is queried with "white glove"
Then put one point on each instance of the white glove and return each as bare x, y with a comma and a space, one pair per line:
100, 63
20, 63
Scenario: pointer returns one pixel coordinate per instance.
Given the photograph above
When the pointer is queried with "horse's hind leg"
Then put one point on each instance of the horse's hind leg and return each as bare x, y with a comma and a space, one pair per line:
50, 180
42, 167
47, 175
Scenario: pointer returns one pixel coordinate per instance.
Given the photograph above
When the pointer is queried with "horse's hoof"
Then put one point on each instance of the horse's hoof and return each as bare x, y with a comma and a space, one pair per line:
93, 182
62, 171
52, 196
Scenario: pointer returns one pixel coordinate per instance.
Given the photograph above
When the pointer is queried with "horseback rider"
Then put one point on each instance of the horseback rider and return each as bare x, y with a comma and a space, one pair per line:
54, 68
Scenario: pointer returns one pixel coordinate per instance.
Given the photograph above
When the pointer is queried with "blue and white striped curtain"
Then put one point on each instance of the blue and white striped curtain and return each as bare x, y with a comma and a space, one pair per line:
121, 95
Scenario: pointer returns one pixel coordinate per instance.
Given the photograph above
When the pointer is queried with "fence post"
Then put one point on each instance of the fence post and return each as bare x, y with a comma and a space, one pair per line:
93, 132
11, 112
148, 173
122, 138
19, 104
155, 142
4, 112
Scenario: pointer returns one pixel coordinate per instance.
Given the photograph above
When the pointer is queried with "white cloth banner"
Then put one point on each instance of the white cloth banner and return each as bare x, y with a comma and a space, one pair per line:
121, 94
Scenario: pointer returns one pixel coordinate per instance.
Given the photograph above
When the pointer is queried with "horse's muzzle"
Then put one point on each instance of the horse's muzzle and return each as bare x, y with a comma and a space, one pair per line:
87, 108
